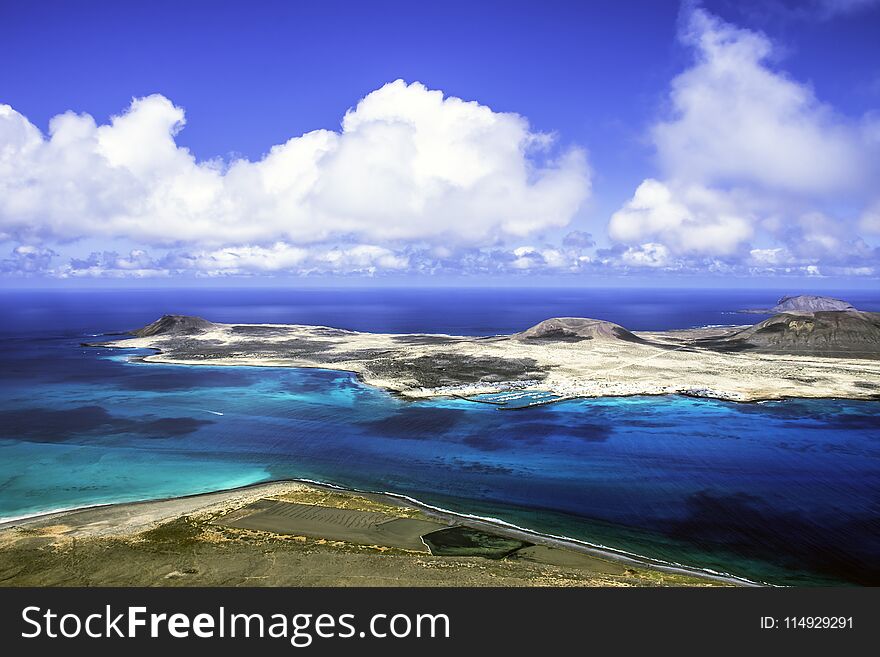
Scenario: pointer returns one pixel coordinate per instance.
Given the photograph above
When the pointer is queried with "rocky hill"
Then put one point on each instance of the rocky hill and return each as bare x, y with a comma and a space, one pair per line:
575, 329
804, 303
174, 325
842, 333
808, 303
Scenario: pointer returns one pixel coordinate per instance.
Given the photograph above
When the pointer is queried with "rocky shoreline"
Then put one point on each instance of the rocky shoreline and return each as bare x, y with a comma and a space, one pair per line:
801, 354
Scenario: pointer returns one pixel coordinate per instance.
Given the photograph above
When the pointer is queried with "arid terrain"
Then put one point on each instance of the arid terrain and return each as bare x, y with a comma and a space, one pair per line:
291, 533
792, 354
229, 539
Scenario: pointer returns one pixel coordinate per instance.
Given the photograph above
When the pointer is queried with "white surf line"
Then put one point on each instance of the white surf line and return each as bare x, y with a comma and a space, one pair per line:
205, 410
603, 550
51, 512
610, 552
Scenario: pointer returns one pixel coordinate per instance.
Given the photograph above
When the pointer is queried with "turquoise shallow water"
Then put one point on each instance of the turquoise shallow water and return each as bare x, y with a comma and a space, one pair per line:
784, 492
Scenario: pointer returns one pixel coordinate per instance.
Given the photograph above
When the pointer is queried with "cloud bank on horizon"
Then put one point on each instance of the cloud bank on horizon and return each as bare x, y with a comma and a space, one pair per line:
755, 175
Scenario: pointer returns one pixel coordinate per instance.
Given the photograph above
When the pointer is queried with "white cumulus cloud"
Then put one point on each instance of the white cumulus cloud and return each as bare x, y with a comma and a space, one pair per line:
748, 154
691, 220
27, 259
736, 120
646, 255
408, 164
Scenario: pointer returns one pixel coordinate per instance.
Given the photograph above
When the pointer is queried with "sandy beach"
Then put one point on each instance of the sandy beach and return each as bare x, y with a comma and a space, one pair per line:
211, 540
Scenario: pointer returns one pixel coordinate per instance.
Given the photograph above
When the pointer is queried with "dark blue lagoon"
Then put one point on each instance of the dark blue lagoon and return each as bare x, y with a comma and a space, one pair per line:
783, 492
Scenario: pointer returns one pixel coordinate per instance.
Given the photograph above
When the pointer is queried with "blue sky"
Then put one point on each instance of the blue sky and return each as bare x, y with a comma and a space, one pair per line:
599, 142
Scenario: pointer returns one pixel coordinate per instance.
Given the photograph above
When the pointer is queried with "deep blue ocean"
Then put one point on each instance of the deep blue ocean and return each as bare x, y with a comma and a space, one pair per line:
783, 492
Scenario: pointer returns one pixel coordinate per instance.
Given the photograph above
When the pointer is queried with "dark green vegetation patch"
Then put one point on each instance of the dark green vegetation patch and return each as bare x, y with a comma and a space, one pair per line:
467, 542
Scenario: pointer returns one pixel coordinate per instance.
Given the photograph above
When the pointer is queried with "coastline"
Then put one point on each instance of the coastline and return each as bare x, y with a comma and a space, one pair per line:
422, 366
492, 524
471, 397
196, 502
